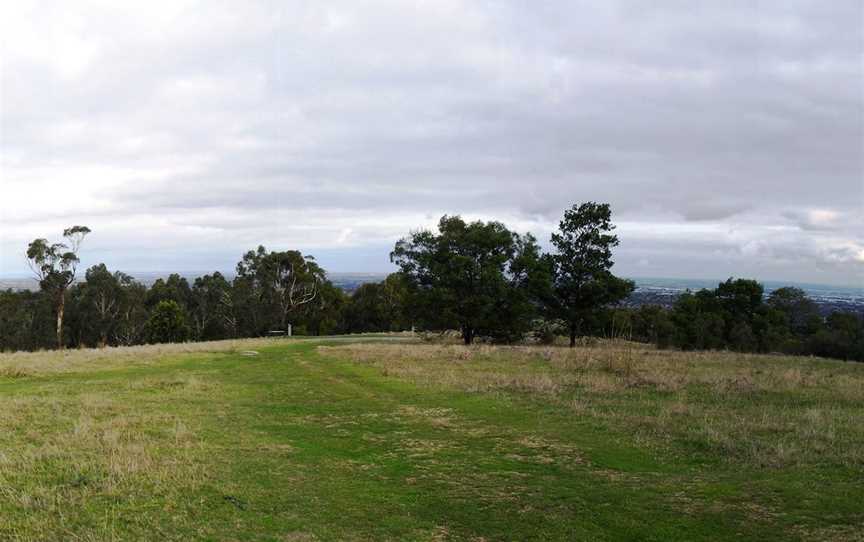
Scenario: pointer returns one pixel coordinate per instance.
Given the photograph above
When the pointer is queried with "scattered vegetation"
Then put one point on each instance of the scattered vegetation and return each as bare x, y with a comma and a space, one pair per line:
480, 278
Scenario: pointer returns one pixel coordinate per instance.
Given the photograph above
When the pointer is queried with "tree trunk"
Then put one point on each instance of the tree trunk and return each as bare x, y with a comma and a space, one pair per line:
61, 306
468, 335
572, 335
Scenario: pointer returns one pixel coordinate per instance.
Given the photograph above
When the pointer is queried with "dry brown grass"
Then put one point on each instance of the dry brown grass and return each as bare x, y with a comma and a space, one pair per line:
768, 411
60, 454
24, 364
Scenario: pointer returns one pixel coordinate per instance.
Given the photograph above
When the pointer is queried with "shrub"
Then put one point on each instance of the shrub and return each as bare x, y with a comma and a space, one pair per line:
167, 323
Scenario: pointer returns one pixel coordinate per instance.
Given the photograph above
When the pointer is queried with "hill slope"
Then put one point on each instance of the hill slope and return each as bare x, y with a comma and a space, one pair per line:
315, 441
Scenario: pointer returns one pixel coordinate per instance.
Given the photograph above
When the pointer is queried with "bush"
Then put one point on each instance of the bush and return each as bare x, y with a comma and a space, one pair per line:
545, 331
167, 323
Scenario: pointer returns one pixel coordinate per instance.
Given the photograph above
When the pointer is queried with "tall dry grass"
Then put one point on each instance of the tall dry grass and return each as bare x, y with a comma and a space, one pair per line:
764, 410
22, 364
67, 447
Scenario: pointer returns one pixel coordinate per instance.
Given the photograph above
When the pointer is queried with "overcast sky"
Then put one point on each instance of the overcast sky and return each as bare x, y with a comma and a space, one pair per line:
728, 136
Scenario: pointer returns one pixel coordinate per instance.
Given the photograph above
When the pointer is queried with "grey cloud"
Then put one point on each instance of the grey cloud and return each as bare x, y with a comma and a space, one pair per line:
741, 114
712, 210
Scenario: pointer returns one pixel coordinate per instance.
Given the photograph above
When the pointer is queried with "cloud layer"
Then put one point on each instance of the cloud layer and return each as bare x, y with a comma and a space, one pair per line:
727, 136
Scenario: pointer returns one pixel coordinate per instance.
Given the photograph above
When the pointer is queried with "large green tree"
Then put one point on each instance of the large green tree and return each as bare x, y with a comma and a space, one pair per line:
175, 288
580, 266
101, 301
471, 276
132, 319
801, 313
324, 315
209, 309
741, 301
273, 286
54, 266
25, 321
379, 306
698, 321
167, 323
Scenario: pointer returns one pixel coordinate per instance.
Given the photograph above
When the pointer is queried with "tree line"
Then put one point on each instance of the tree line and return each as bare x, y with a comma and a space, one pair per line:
479, 278
738, 316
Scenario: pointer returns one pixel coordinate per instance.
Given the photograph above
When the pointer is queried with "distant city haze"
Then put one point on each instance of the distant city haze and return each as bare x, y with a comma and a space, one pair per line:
727, 136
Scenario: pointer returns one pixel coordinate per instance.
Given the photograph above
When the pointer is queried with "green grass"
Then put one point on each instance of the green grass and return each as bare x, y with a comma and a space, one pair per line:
417, 442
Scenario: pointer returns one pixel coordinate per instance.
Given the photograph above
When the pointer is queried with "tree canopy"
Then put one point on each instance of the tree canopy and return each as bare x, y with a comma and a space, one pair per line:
479, 278
470, 276
54, 266
582, 281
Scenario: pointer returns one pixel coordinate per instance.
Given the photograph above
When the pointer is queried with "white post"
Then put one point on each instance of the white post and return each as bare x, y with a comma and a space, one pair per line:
289, 330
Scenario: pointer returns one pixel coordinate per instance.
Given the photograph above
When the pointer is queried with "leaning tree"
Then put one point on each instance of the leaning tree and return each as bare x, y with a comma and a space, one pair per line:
54, 266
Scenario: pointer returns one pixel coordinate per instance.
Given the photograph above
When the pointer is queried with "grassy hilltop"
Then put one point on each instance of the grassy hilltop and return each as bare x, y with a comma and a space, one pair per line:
396, 440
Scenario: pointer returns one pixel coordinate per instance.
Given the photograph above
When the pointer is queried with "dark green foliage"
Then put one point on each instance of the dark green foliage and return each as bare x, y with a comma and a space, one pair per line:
375, 307
100, 302
582, 283
272, 287
324, 316
167, 323
470, 276
801, 314
26, 321
842, 337
740, 298
175, 289
546, 331
652, 324
735, 316
132, 319
210, 308
698, 321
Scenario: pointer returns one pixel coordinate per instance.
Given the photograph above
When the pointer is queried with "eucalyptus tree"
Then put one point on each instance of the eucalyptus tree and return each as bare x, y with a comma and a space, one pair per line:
208, 307
102, 297
25, 321
273, 286
580, 265
296, 281
175, 288
54, 266
801, 313
379, 306
366, 310
325, 315
132, 319
469, 275
167, 323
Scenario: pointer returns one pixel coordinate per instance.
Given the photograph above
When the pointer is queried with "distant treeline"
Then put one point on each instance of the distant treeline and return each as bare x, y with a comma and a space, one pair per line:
479, 278
737, 316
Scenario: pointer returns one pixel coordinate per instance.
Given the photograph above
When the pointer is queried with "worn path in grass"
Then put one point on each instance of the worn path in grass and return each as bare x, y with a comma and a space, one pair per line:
288, 445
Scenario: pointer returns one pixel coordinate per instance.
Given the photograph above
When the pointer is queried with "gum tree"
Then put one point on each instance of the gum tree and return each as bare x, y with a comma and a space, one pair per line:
470, 275
273, 286
54, 266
